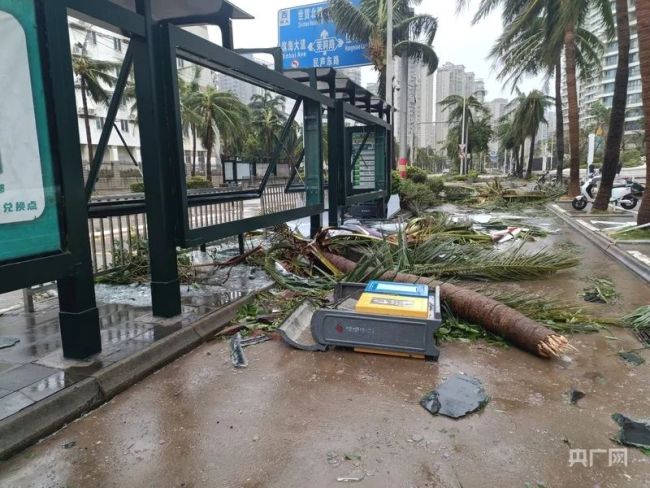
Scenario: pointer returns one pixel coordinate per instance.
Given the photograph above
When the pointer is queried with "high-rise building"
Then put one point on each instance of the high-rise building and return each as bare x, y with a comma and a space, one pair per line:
497, 108
420, 106
601, 87
451, 79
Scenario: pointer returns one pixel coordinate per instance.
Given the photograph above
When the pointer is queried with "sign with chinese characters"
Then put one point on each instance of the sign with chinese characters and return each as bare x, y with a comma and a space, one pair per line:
307, 42
28, 214
363, 159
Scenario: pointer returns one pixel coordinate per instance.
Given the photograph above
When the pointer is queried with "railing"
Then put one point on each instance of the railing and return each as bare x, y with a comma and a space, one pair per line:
275, 199
114, 238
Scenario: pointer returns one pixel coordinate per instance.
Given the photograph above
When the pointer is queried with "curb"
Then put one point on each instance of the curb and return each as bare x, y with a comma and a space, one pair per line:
603, 243
48, 415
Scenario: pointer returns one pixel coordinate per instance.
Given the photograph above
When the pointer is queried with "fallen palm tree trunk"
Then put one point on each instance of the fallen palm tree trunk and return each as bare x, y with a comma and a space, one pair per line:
490, 314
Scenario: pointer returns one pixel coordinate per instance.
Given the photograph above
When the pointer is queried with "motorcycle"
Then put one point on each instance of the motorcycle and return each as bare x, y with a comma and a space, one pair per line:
626, 194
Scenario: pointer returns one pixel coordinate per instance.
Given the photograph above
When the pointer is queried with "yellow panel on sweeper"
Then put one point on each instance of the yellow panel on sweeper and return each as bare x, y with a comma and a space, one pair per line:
393, 305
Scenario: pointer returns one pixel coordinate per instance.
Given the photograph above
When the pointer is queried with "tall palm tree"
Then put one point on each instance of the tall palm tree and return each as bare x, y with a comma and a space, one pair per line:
267, 120
563, 26
643, 28
189, 118
619, 105
94, 77
459, 108
222, 117
529, 116
412, 34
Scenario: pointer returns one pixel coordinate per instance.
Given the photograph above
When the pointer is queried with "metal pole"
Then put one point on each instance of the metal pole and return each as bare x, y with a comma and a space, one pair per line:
403, 106
389, 53
462, 136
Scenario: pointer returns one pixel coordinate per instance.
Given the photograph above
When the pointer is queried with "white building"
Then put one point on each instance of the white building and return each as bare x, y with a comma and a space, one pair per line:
118, 170
601, 87
420, 106
451, 79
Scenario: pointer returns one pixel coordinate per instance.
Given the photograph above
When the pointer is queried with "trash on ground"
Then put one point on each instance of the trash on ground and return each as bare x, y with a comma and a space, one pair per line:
631, 358
356, 475
6, 342
237, 355
601, 291
296, 329
506, 235
575, 396
69, 445
251, 341
634, 433
457, 397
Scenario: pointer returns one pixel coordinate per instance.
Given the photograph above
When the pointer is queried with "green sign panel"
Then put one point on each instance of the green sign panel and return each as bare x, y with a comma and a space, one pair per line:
363, 167
29, 222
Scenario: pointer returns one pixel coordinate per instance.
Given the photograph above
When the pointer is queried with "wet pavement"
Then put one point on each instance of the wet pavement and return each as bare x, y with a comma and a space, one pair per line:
292, 417
34, 368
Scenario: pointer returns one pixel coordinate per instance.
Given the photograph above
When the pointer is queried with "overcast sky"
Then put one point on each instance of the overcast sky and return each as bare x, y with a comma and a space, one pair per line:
457, 40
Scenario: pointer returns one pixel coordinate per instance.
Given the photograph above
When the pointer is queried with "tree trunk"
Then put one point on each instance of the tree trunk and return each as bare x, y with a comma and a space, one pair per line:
520, 162
208, 164
529, 170
478, 309
89, 138
193, 129
574, 114
559, 121
619, 105
643, 27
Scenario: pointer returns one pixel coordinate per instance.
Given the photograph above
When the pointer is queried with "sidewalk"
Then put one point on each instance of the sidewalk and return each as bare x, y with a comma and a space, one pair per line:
634, 254
40, 390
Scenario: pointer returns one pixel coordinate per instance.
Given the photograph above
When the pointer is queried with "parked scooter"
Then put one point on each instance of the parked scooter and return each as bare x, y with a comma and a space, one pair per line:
626, 194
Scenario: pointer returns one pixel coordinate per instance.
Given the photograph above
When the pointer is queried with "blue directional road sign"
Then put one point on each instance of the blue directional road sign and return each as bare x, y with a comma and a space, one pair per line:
307, 42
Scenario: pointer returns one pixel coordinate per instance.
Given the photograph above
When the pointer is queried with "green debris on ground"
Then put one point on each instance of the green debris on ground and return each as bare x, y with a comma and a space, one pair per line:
639, 320
131, 264
600, 291
632, 235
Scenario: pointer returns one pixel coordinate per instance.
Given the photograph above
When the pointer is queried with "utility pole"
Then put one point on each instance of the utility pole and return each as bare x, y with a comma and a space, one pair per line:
389, 53
403, 106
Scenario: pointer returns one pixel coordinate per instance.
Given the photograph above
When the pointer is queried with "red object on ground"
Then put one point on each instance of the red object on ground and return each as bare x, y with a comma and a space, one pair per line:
401, 166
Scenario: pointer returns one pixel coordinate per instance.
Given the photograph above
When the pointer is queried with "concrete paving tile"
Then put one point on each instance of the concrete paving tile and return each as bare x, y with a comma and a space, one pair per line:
13, 403
47, 386
24, 375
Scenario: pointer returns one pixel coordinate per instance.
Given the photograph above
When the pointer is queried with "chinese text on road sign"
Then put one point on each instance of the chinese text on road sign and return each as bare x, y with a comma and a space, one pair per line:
307, 42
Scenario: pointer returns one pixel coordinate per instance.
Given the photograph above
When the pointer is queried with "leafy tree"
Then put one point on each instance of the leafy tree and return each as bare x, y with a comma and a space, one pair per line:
537, 33
643, 28
412, 34
222, 118
93, 77
189, 118
619, 104
529, 115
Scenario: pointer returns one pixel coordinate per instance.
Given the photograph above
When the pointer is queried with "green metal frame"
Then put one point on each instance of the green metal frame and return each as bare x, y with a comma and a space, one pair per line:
180, 43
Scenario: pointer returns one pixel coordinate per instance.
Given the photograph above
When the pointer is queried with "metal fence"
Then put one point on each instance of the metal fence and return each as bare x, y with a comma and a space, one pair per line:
113, 239
275, 199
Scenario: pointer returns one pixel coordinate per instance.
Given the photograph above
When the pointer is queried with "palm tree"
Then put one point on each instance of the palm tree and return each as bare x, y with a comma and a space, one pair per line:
93, 77
529, 115
190, 120
267, 120
412, 34
222, 117
473, 109
643, 28
619, 105
562, 25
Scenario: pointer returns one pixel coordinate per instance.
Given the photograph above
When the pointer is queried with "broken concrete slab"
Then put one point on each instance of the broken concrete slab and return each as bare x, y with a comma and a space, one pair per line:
457, 397
634, 433
631, 358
